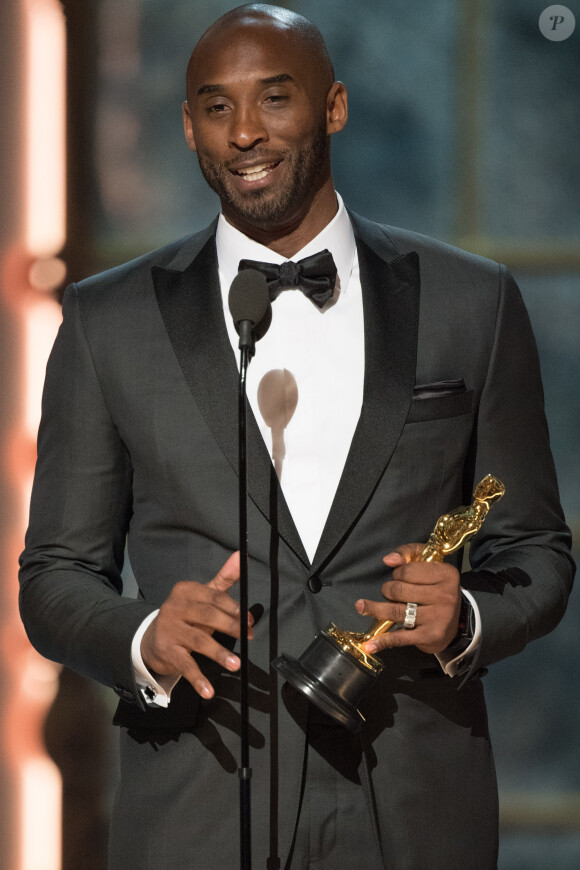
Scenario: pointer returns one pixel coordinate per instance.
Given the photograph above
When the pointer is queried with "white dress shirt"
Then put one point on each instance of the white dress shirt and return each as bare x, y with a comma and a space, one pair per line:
305, 388
312, 359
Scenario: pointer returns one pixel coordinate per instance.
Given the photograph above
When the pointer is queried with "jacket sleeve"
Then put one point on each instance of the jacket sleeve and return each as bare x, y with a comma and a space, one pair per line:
522, 570
70, 582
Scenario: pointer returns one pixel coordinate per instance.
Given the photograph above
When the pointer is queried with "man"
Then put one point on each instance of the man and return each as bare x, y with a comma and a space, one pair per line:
381, 407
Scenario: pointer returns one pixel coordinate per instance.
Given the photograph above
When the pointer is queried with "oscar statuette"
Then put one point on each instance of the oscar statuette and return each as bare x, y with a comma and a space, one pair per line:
335, 672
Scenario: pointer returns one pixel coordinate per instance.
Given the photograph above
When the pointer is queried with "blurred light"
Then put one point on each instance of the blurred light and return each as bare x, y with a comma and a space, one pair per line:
46, 127
40, 683
41, 803
47, 274
40, 272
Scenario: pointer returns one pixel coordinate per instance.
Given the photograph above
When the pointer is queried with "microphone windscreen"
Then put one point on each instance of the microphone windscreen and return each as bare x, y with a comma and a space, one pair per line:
249, 299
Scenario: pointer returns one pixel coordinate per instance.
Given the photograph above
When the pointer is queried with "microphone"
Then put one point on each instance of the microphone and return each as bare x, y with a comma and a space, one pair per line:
250, 307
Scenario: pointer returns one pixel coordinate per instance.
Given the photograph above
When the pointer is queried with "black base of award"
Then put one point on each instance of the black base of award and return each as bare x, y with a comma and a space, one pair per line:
331, 678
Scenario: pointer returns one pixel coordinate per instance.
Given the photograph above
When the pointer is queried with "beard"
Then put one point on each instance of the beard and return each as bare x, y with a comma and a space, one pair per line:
265, 208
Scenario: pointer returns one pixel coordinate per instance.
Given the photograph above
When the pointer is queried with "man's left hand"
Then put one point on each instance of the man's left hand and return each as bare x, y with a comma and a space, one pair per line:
433, 586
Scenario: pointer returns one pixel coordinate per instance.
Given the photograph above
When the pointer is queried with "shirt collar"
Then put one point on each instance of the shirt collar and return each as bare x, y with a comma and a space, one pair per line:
337, 236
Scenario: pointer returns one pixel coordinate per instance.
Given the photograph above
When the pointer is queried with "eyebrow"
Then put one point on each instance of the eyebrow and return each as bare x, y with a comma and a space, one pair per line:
270, 80
275, 80
209, 89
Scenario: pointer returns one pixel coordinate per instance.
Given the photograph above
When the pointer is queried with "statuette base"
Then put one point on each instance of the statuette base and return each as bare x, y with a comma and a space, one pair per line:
332, 678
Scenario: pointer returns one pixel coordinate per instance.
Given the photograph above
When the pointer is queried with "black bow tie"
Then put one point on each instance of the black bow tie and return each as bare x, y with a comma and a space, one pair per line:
315, 276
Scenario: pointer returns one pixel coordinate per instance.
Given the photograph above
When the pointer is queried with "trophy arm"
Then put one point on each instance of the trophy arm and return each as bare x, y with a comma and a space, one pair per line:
379, 626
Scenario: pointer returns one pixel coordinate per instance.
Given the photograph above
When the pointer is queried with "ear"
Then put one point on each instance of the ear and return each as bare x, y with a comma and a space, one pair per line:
188, 127
336, 108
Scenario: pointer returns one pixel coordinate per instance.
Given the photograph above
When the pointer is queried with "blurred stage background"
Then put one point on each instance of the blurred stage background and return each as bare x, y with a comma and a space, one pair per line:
465, 124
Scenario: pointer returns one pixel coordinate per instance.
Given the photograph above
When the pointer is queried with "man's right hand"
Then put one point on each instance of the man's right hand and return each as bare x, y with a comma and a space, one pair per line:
186, 622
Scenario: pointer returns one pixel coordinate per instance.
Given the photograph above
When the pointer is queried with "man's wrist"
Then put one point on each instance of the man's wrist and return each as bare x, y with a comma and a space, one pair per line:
459, 656
155, 690
465, 628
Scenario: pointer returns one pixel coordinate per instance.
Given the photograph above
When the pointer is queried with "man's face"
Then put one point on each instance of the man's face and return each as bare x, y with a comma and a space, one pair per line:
257, 117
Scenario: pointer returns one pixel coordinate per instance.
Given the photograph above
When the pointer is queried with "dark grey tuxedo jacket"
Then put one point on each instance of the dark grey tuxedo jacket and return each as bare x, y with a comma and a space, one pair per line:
138, 440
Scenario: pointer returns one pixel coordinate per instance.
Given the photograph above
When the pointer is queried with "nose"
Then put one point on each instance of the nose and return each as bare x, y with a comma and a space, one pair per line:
247, 128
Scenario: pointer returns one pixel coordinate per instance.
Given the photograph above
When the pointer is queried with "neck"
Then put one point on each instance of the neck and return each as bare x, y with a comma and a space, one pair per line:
290, 237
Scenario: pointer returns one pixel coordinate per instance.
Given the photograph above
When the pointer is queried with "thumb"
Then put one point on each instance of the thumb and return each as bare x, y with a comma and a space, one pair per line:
403, 555
227, 575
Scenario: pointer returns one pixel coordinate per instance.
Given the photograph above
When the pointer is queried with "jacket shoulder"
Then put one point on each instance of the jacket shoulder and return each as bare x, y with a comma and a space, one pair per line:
134, 276
432, 252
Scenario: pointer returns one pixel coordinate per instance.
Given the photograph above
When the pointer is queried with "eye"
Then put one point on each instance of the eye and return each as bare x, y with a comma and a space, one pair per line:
277, 98
217, 108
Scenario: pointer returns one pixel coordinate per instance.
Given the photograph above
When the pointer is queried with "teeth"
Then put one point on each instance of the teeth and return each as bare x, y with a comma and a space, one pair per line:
255, 173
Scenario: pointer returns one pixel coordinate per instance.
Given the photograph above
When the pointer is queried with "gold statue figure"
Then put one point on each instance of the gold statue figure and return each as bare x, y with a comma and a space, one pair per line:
451, 532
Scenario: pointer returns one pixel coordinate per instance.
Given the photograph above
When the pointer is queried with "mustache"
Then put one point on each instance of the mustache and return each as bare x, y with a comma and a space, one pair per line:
257, 155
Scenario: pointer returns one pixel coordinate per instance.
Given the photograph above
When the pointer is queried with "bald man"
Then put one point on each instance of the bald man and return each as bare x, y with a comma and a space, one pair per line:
377, 403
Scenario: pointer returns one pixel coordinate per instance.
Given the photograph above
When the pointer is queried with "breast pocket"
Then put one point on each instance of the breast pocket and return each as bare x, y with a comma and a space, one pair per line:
427, 466
439, 400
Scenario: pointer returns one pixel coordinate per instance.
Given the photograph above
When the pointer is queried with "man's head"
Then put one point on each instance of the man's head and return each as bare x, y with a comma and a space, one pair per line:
261, 105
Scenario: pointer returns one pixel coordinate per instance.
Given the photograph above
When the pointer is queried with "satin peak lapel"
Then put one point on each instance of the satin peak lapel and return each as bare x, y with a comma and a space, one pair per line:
191, 308
391, 319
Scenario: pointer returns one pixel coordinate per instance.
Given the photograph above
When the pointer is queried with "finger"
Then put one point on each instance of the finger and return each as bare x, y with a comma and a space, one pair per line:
393, 611
188, 601
428, 635
194, 675
165, 639
201, 643
421, 574
392, 639
221, 614
403, 554
425, 572
420, 593
434, 629
424, 638
177, 658
228, 574
196, 606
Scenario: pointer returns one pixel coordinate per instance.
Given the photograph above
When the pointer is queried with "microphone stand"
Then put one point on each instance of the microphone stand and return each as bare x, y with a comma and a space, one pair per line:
244, 771
249, 304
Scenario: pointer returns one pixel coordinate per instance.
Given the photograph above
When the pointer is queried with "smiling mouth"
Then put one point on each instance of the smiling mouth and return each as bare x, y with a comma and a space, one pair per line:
256, 173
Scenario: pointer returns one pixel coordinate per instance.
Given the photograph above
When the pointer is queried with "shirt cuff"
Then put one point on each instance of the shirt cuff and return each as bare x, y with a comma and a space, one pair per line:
457, 659
155, 690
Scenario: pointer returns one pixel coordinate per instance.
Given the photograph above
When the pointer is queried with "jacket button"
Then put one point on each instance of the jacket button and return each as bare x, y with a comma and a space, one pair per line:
123, 693
314, 583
